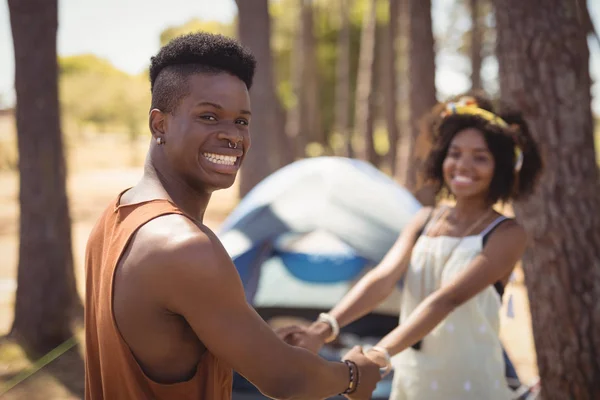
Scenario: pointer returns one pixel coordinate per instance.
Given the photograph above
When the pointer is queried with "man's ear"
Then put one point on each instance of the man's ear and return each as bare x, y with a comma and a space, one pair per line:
157, 121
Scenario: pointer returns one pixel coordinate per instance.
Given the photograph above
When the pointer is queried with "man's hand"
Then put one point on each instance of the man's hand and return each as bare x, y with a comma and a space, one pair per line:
368, 372
308, 338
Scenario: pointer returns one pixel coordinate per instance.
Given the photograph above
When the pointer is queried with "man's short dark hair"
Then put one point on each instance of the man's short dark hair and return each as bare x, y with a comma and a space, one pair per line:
195, 53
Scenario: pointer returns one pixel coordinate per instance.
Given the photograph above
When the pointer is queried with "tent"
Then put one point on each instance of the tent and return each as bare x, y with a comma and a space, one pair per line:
305, 234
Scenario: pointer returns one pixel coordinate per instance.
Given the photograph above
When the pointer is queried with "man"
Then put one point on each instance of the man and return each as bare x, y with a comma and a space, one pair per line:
166, 316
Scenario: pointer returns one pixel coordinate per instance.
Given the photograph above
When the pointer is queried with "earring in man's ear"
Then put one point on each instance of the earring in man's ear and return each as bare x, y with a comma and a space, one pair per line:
160, 141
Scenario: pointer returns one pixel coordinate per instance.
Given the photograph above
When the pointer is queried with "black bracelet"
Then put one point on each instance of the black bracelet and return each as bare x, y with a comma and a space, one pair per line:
353, 372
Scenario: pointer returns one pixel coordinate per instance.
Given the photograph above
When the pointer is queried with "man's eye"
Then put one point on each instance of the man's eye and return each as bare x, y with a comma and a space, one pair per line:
208, 117
242, 122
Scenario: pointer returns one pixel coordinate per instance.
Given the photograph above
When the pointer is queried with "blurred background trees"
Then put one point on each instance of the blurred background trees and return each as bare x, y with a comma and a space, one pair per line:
349, 78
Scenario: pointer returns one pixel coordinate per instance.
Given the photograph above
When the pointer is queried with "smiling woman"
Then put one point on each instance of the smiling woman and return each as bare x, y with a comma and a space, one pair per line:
455, 262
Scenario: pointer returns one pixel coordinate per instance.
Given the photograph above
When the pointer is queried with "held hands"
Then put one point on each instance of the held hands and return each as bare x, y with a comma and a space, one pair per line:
381, 357
368, 374
370, 366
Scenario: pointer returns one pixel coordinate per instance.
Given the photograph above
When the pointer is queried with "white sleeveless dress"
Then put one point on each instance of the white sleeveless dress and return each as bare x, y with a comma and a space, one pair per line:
461, 358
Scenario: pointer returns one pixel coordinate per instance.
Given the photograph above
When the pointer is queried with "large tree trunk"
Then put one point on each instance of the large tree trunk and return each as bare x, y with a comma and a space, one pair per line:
343, 122
365, 85
422, 96
543, 58
46, 297
476, 44
389, 83
269, 144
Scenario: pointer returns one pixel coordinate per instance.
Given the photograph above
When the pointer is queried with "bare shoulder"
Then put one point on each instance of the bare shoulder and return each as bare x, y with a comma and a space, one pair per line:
421, 217
508, 235
172, 251
424, 212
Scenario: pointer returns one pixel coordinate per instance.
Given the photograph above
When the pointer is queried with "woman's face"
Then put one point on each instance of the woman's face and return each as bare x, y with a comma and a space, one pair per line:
469, 166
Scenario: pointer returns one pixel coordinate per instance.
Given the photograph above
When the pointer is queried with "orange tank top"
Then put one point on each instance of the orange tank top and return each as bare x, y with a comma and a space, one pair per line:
111, 371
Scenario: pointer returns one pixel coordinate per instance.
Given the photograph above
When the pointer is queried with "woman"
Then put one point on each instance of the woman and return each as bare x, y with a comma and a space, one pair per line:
455, 261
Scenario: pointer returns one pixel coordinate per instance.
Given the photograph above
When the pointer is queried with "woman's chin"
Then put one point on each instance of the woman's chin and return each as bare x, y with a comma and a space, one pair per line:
464, 193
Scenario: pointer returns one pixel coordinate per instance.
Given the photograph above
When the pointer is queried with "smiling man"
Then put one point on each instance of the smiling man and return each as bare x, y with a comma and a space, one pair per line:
165, 311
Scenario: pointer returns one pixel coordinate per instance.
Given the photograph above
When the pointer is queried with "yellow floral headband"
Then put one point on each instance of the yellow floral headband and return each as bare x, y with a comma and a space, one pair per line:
467, 105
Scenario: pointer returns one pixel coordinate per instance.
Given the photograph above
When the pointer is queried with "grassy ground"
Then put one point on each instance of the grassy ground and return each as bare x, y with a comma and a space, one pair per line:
94, 180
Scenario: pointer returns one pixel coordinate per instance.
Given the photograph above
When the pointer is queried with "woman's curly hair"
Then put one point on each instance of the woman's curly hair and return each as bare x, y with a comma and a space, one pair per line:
507, 184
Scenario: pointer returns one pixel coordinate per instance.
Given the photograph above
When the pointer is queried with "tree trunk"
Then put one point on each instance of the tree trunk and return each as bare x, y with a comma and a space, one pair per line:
297, 123
403, 106
46, 297
365, 102
422, 96
389, 84
343, 120
270, 149
310, 80
476, 44
544, 70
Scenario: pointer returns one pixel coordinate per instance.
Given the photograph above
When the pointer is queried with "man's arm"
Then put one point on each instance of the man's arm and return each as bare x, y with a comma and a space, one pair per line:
197, 280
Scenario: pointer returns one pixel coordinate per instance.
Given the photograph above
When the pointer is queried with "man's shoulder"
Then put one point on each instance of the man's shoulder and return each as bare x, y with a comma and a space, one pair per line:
173, 254
175, 243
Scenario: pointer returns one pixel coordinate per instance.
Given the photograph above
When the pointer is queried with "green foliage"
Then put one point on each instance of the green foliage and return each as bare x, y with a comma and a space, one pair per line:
285, 21
197, 25
95, 93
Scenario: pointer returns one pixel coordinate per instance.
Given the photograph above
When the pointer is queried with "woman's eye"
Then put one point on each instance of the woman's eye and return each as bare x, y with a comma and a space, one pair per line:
208, 117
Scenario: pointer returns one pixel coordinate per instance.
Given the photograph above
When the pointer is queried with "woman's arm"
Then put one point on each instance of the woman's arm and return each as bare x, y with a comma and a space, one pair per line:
497, 259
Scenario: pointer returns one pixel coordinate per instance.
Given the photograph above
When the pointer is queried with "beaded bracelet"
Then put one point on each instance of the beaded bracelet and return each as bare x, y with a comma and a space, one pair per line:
354, 378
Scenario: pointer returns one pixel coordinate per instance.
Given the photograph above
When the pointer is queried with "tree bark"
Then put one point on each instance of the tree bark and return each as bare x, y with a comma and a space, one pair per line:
270, 149
403, 106
544, 70
297, 124
365, 102
422, 96
476, 45
46, 298
390, 83
310, 79
343, 120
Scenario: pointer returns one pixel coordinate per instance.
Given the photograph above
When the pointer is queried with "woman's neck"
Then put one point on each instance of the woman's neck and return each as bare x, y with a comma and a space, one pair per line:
467, 209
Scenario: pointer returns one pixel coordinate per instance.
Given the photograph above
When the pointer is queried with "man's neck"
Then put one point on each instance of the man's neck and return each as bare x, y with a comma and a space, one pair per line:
164, 184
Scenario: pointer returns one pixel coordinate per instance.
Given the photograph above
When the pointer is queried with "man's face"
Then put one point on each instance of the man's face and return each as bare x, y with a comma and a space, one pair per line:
207, 134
